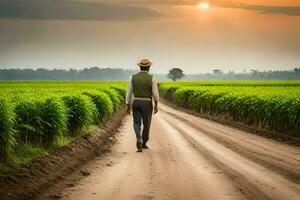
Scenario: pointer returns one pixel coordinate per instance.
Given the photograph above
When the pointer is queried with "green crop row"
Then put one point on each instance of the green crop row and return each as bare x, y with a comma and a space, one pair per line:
275, 108
41, 114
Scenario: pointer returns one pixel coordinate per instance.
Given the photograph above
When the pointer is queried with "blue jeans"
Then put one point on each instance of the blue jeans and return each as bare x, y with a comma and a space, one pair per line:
142, 112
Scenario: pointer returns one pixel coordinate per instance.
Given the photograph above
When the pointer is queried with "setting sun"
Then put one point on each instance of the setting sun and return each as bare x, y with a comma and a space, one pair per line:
203, 6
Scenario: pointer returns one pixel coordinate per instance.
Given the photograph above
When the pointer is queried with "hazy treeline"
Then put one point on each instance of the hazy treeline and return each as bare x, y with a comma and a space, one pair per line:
96, 73
93, 73
251, 75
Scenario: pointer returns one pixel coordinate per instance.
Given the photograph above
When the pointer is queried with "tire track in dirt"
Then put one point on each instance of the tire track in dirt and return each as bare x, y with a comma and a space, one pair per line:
286, 162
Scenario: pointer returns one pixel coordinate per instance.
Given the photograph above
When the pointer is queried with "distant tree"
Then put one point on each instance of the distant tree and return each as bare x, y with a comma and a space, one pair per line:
253, 71
175, 74
217, 72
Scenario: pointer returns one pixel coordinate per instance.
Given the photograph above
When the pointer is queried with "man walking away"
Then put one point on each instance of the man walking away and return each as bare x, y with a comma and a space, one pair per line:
143, 86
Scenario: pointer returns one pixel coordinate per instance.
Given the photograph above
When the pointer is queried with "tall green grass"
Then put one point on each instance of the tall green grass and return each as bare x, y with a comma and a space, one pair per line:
115, 97
81, 113
41, 121
7, 136
102, 102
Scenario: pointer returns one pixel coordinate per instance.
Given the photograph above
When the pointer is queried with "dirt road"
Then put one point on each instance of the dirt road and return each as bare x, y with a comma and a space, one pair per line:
189, 158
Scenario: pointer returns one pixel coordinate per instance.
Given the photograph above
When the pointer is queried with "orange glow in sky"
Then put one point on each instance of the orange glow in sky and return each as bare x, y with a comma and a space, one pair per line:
203, 5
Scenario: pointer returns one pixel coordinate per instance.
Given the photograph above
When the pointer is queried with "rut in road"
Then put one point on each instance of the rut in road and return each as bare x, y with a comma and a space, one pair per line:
189, 158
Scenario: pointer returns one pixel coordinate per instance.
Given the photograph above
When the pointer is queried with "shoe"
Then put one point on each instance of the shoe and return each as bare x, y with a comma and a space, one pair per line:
145, 146
139, 145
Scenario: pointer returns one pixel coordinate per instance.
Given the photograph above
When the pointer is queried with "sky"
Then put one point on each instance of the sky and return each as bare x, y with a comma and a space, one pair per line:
197, 36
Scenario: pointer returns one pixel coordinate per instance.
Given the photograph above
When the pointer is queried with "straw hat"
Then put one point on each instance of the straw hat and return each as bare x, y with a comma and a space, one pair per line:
145, 63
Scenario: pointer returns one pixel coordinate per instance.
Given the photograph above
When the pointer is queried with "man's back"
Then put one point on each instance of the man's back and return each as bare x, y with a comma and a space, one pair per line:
142, 85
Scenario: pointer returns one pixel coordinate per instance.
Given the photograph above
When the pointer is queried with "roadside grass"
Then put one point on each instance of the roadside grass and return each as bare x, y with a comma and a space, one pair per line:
23, 154
4, 167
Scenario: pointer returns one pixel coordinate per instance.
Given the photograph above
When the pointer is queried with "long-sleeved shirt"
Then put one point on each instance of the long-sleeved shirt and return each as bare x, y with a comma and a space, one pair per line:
155, 93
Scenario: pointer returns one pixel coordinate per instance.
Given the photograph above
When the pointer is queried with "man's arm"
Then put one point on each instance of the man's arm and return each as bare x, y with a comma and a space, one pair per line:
155, 94
129, 95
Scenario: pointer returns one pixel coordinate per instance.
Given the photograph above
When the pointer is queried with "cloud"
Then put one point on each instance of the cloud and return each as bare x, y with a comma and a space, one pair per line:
286, 10
73, 10
265, 9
